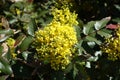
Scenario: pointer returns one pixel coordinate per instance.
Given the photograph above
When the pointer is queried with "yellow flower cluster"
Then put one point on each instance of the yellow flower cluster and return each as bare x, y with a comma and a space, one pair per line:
64, 16
10, 43
54, 44
112, 46
64, 3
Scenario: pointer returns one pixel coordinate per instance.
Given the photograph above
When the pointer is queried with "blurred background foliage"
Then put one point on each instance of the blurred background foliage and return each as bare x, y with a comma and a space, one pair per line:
20, 19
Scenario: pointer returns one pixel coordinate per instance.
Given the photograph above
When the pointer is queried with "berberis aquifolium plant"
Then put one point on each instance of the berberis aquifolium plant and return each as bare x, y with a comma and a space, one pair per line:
49, 40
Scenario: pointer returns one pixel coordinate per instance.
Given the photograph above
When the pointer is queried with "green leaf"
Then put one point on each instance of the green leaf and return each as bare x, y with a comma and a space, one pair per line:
5, 67
31, 27
13, 21
78, 31
25, 54
100, 24
80, 48
4, 38
89, 38
91, 44
75, 71
69, 68
19, 40
6, 34
1, 50
19, 5
88, 65
92, 58
8, 31
117, 6
116, 20
88, 28
43, 13
104, 34
8, 13
26, 18
25, 43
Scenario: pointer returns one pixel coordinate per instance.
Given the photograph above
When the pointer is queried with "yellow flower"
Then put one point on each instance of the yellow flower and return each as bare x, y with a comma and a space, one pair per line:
55, 43
64, 16
18, 11
10, 43
112, 46
64, 3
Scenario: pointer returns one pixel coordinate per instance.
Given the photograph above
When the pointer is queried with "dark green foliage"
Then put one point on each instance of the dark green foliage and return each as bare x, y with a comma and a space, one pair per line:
20, 20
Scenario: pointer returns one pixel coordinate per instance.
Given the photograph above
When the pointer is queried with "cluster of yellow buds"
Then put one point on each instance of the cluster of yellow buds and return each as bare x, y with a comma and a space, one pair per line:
112, 46
55, 43
64, 16
64, 3
10, 43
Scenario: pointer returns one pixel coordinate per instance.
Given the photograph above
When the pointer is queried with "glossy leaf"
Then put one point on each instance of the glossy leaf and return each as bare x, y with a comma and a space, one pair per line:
12, 21
8, 31
31, 27
118, 7
25, 18
80, 48
25, 54
19, 40
5, 67
104, 34
78, 31
100, 24
89, 38
91, 44
26, 43
4, 38
8, 13
88, 65
88, 28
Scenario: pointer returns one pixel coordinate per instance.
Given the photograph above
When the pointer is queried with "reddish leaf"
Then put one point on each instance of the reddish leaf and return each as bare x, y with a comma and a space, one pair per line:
112, 26
5, 23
